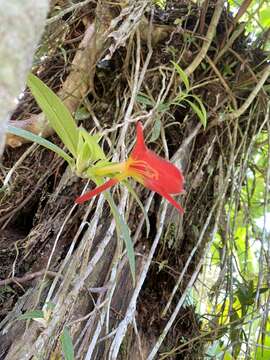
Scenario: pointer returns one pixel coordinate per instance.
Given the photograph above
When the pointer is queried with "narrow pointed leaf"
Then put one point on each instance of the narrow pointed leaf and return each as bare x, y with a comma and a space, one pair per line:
32, 314
41, 141
202, 107
182, 74
124, 233
201, 115
56, 112
92, 141
67, 346
156, 130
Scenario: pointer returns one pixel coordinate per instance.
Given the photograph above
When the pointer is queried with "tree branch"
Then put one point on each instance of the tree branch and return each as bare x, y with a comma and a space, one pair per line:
209, 37
27, 277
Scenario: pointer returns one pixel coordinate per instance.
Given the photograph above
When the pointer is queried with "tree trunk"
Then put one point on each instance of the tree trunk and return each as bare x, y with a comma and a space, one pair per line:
22, 23
112, 64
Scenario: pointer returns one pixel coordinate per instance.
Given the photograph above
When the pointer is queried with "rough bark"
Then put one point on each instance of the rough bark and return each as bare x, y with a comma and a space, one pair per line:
21, 25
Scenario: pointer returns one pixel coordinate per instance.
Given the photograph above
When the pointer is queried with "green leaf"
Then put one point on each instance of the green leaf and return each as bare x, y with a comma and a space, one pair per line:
156, 130
122, 228
235, 334
253, 193
92, 141
144, 99
227, 70
216, 352
88, 150
200, 112
202, 107
33, 314
162, 107
179, 98
66, 344
244, 252
50, 305
133, 193
41, 141
83, 154
265, 17
81, 114
182, 74
161, 4
262, 352
56, 112
124, 233
245, 294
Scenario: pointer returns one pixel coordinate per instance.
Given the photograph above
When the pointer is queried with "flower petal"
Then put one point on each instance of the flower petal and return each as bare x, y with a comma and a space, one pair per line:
96, 191
169, 178
167, 175
168, 197
140, 146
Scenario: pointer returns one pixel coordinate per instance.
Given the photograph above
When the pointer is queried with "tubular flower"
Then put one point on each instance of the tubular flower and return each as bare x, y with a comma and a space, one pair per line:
147, 168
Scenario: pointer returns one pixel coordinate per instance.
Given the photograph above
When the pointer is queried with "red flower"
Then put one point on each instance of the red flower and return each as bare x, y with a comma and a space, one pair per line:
146, 167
